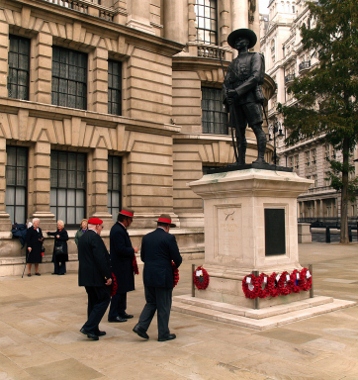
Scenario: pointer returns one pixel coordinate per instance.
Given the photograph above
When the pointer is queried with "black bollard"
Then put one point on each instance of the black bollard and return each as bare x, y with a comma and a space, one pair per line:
350, 234
328, 235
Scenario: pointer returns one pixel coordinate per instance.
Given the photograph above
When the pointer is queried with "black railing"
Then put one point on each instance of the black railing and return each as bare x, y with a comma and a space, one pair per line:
289, 78
304, 65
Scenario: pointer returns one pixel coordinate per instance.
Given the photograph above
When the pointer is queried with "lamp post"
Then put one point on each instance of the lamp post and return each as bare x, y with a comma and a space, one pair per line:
275, 129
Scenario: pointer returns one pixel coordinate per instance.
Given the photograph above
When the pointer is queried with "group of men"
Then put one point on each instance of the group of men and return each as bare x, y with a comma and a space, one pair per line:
99, 270
243, 97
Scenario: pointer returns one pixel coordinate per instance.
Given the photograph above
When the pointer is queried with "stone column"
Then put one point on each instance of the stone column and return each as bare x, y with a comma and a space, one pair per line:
40, 188
4, 44
175, 21
99, 85
239, 14
41, 72
139, 15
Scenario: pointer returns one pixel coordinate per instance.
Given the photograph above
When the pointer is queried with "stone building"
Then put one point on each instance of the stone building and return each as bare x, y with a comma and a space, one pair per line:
112, 103
285, 59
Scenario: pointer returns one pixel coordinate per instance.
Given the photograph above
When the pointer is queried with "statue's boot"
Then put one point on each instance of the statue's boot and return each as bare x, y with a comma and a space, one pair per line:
261, 143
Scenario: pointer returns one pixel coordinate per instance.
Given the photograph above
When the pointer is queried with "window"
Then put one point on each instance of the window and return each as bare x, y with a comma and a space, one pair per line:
307, 155
19, 68
16, 183
68, 186
69, 78
206, 21
114, 87
214, 116
313, 154
114, 202
297, 163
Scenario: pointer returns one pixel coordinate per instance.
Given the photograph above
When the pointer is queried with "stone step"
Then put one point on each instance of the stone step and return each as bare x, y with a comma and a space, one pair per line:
258, 319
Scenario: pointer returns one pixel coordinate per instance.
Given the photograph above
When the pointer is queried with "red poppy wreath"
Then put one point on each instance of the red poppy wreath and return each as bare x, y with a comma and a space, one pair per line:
201, 278
251, 286
305, 281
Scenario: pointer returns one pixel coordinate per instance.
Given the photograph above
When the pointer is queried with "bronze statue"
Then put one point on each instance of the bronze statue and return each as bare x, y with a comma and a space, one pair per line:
243, 93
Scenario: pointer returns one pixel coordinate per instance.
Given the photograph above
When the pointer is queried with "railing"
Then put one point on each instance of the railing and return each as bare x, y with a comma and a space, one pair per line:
91, 7
289, 78
205, 51
304, 65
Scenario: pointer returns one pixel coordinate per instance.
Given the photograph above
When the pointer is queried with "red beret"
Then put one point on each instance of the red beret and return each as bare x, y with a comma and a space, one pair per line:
95, 221
127, 212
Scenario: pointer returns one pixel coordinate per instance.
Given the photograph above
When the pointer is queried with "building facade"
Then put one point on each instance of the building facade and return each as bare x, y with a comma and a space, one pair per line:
285, 59
108, 104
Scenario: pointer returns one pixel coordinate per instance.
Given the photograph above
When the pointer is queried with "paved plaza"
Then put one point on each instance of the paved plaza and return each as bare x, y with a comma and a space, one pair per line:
40, 318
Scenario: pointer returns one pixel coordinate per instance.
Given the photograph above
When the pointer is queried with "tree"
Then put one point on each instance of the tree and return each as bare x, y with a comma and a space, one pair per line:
327, 96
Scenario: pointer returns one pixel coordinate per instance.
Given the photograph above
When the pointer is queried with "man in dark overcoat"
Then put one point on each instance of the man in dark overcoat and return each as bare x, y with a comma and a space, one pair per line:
94, 273
159, 249
122, 255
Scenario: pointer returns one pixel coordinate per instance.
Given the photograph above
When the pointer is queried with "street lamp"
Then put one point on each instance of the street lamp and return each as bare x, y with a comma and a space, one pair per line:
275, 129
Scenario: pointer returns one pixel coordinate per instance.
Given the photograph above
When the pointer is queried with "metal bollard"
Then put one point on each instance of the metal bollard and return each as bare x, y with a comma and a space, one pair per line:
256, 300
328, 235
350, 237
192, 282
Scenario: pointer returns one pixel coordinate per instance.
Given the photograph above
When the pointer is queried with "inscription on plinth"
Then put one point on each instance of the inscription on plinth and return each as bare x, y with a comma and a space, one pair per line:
229, 222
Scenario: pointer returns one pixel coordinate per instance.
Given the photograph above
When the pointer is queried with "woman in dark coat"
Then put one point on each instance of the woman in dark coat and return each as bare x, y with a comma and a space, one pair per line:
59, 258
34, 243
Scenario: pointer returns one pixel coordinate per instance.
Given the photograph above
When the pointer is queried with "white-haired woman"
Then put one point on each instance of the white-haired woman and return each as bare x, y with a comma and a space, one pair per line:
60, 252
34, 246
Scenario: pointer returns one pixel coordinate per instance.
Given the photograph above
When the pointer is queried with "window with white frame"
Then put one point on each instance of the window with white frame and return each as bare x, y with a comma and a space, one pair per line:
69, 78
114, 197
114, 87
68, 186
19, 68
16, 183
206, 21
214, 116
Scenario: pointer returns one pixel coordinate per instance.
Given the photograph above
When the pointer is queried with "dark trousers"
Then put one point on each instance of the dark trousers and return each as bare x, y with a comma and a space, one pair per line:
60, 267
118, 305
160, 300
98, 301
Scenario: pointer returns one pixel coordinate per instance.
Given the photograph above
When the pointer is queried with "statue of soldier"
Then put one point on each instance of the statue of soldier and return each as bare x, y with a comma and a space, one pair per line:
243, 95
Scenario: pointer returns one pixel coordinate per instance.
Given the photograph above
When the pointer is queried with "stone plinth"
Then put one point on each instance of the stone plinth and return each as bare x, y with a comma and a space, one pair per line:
250, 224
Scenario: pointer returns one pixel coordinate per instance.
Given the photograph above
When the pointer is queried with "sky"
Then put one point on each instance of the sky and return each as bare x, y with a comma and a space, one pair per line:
263, 6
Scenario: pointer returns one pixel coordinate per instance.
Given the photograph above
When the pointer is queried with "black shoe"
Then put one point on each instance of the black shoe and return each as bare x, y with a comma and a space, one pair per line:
168, 337
54, 273
117, 319
101, 333
38, 274
140, 332
126, 316
89, 334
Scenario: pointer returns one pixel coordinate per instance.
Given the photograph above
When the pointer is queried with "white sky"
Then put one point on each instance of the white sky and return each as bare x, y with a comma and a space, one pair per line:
263, 4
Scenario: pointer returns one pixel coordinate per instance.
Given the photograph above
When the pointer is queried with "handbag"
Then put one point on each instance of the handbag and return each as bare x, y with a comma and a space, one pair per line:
58, 249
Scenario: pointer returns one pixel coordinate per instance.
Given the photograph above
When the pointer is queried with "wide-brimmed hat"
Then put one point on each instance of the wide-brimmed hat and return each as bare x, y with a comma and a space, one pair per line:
95, 221
127, 212
242, 33
166, 219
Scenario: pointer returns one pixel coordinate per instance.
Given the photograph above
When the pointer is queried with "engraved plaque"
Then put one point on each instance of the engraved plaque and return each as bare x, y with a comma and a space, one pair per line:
229, 230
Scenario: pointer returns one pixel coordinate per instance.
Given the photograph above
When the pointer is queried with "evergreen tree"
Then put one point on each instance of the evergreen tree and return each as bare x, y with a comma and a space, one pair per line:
327, 96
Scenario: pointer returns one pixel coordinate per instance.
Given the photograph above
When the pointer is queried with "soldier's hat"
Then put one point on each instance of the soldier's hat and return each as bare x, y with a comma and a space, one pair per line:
242, 33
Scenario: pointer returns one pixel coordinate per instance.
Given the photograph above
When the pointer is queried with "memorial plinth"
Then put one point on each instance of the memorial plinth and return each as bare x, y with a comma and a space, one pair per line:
250, 224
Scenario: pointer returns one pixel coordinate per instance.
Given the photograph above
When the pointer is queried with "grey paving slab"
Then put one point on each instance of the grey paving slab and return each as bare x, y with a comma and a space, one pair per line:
40, 318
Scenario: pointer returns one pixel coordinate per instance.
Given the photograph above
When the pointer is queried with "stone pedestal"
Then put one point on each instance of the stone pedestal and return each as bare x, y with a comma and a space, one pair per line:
250, 224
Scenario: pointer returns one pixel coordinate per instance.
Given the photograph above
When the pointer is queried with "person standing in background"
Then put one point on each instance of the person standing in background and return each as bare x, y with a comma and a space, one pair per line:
34, 247
60, 250
81, 231
94, 273
159, 249
122, 255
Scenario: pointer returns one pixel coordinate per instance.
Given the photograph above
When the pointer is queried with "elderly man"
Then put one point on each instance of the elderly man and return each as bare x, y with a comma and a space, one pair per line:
122, 259
243, 93
159, 249
94, 273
